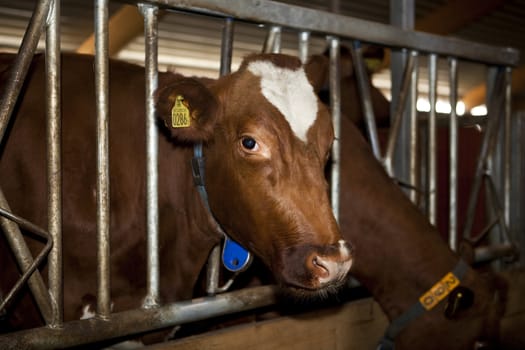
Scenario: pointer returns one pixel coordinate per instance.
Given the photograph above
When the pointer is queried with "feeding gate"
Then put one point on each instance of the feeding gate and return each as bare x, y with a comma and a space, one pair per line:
312, 28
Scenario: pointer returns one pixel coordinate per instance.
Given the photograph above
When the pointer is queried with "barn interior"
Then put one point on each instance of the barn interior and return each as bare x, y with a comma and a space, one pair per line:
197, 44
190, 42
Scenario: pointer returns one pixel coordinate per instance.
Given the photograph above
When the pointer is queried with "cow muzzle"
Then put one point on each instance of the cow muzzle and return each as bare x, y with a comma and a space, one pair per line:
317, 268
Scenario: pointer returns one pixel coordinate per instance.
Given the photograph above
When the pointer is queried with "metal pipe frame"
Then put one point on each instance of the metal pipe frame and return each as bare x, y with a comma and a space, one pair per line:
493, 252
272, 44
103, 189
501, 244
413, 164
54, 163
402, 16
499, 212
21, 65
432, 140
214, 260
278, 14
507, 146
335, 109
28, 265
517, 195
327, 23
304, 42
363, 85
397, 117
227, 46
24, 260
487, 146
152, 208
8, 100
453, 156
140, 320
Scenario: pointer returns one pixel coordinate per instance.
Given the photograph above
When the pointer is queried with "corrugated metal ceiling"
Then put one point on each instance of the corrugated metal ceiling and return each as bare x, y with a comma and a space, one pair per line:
191, 43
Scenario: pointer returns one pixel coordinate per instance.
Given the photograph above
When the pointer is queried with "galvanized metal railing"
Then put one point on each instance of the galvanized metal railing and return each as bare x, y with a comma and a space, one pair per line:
307, 23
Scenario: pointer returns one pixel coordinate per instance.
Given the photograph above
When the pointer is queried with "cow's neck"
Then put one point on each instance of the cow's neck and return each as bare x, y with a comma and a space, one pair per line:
401, 265
185, 223
398, 255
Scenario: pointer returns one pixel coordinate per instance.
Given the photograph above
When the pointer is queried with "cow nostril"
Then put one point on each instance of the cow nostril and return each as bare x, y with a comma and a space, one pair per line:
320, 267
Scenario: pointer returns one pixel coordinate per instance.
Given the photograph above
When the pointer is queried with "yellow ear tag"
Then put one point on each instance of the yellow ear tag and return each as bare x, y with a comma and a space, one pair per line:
373, 64
180, 114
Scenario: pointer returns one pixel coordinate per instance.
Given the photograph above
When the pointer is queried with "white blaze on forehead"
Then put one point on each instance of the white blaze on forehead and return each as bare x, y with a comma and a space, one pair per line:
290, 92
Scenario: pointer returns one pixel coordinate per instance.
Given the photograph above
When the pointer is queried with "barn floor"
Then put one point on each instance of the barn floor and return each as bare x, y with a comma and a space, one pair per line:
355, 325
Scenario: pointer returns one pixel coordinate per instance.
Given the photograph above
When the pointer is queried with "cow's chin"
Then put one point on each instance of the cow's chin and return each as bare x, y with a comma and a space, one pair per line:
325, 293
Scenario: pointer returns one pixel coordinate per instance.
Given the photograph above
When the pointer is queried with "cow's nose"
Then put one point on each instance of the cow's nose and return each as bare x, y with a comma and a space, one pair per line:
333, 267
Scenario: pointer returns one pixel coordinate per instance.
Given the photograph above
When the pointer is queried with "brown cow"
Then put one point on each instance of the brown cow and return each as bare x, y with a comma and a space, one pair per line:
409, 257
264, 152
318, 68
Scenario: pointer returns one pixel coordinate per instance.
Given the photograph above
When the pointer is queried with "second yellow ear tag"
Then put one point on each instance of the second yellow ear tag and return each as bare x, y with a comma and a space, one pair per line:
180, 114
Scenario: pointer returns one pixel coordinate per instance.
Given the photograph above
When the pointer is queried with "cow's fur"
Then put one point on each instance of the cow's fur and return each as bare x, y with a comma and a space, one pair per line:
399, 255
409, 256
273, 202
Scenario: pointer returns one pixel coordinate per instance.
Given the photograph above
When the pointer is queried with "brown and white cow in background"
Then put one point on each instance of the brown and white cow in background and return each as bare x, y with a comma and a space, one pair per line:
399, 256
409, 258
266, 140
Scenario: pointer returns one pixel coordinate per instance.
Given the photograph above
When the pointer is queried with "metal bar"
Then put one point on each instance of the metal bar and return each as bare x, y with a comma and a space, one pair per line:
152, 144
363, 84
54, 163
413, 165
399, 108
493, 252
402, 15
227, 46
495, 99
137, 321
304, 39
6, 215
507, 148
335, 108
492, 210
213, 271
8, 100
21, 65
453, 132
214, 260
432, 140
315, 21
498, 211
103, 214
25, 260
272, 43
517, 218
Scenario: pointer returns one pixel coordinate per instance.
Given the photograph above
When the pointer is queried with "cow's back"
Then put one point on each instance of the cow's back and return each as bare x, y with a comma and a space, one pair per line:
23, 169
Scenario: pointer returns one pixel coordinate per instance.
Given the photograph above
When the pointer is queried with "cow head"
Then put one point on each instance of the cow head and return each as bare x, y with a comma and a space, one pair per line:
267, 139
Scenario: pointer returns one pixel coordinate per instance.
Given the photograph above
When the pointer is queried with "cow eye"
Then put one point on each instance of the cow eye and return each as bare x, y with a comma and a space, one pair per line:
249, 143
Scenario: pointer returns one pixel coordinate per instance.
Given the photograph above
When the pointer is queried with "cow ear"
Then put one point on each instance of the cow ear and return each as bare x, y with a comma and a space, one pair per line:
188, 109
317, 71
318, 68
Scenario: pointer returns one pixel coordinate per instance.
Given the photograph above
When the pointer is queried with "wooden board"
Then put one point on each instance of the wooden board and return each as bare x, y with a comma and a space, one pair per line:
355, 325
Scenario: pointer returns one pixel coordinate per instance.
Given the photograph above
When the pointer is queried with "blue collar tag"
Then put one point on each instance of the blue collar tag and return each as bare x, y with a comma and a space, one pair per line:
234, 257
